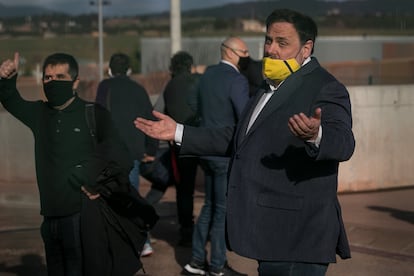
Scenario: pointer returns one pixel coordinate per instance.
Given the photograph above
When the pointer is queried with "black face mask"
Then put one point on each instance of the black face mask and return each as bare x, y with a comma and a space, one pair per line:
58, 92
243, 63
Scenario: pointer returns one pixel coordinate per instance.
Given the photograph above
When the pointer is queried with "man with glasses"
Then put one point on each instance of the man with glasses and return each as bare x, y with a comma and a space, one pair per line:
223, 93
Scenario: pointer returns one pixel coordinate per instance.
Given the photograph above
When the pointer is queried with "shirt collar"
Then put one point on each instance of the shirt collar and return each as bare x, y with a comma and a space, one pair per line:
231, 64
306, 61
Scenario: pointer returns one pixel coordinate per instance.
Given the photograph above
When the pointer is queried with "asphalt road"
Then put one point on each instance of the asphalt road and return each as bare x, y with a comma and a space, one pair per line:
380, 227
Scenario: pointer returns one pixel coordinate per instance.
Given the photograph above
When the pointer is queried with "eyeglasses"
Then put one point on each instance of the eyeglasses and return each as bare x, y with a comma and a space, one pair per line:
245, 52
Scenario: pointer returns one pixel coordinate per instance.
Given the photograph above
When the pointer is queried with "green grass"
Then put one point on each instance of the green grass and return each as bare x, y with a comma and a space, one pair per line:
33, 50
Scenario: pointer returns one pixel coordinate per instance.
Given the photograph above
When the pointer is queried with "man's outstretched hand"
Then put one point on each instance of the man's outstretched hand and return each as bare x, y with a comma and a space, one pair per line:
304, 127
163, 129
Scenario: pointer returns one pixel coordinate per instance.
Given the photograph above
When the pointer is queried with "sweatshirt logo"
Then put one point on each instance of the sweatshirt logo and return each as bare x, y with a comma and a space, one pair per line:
76, 129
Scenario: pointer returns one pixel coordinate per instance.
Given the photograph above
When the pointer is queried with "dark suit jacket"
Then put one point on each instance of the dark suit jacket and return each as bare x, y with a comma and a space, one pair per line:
180, 98
127, 100
223, 94
282, 196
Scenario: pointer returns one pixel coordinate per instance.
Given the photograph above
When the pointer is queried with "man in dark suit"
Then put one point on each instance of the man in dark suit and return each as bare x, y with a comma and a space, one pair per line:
180, 96
126, 99
282, 205
223, 94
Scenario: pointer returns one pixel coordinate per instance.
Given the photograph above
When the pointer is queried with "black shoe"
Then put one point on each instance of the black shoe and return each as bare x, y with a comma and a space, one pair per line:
226, 271
194, 268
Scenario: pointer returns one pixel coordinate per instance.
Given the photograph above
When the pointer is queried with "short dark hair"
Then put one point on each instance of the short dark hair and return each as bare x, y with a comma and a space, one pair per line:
304, 25
62, 58
181, 62
119, 64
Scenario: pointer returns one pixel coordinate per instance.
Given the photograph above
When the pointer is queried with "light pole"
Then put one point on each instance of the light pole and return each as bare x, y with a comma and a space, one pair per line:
100, 35
175, 30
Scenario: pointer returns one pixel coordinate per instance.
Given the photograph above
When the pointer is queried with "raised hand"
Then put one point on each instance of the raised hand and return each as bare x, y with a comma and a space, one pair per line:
163, 129
9, 67
304, 127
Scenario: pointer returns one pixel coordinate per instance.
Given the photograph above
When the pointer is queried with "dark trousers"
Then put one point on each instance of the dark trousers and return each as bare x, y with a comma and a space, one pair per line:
291, 269
62, 241
187, 168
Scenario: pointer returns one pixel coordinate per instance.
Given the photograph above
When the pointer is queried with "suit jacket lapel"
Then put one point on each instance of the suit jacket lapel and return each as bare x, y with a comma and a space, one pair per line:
245, 118
284, 92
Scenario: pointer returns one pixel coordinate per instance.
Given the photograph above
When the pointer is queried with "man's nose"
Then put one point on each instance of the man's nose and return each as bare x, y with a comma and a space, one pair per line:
273, 51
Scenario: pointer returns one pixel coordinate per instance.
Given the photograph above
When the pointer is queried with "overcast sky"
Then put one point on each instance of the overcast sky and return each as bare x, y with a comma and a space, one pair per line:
119, 7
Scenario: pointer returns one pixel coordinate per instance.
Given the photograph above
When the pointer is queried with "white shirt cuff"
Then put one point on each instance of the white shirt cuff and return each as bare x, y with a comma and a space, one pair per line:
318, 139
179, 132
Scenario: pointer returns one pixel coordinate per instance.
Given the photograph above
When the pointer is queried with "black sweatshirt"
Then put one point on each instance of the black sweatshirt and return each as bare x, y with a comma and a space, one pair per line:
65, 155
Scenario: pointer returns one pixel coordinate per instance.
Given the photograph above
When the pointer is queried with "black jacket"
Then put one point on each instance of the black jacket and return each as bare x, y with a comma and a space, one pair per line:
181, 98
127, 100
65, 155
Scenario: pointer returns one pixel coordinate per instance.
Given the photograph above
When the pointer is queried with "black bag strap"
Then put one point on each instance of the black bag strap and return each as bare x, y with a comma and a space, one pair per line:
91, 121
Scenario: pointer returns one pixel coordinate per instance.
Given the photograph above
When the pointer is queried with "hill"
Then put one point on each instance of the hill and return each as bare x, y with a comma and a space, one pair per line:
22, 11
254, 9
260, 9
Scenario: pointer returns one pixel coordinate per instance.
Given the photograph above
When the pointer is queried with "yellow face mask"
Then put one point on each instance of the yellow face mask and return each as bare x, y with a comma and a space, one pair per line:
278, 70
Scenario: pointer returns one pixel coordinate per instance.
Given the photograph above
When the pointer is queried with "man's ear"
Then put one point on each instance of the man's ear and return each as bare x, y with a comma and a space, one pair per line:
75, 84
307, 49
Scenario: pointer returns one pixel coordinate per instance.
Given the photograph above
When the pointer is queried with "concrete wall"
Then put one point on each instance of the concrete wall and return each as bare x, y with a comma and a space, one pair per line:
16, 150
383, 158
384, 131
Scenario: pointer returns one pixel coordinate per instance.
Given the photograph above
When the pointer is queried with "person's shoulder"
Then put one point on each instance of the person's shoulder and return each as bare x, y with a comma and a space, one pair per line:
229, 70
195, 77
129, 85
37, 105
218, 69
105, 82
213, 67
316, 72
136, 84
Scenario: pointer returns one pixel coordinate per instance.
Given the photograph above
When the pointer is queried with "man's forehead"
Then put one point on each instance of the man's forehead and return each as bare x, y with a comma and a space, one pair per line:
281, 29
54, 68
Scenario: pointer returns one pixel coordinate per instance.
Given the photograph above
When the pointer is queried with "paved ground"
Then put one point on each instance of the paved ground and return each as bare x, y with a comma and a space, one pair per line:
380, 227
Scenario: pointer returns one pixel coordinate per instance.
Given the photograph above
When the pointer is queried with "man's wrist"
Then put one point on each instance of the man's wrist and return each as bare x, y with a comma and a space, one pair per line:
317, 140
178, 136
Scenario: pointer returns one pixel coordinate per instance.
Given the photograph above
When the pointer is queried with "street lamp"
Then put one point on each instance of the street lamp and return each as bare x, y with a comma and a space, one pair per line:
100, 33
175, 27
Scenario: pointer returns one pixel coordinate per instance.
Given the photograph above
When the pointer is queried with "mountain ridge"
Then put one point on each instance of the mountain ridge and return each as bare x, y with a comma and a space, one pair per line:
310, 7
256, 9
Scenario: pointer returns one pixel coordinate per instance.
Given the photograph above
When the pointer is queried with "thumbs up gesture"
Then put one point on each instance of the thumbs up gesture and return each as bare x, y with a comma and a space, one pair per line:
9, 67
